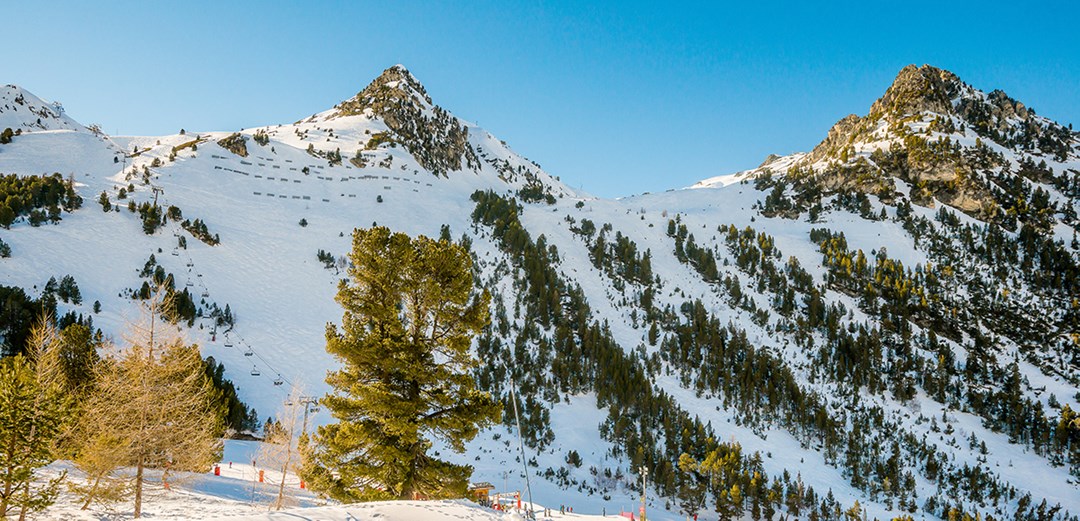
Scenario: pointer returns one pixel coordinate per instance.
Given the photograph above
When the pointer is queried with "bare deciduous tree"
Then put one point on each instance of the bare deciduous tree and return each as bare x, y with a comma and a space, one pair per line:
152, 407
279, 451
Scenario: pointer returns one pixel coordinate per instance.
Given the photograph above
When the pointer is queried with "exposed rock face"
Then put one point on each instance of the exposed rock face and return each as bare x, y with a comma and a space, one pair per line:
434, 137
840, 136
913, 133
916, 90
770, 159
235, 143
395, 86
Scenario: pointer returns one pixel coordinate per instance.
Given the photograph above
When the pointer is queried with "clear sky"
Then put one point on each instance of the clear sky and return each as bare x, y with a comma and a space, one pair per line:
617, 98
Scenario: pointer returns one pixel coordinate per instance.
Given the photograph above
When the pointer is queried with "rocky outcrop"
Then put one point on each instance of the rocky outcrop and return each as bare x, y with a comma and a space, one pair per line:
435, 138
235, 143
915, 130
840, 136
917, 90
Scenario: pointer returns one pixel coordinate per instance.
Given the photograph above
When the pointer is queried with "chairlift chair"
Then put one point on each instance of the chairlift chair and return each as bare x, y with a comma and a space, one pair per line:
249, 352
205, 294
190, 284
255, 371
278, 380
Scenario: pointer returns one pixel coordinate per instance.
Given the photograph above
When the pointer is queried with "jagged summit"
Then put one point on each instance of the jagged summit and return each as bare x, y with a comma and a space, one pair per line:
393, 124
394, 86
438, 140
919, 89
925, 100
916, 90
931, 138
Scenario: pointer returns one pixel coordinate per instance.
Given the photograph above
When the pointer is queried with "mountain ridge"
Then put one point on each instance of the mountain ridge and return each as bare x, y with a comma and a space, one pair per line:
934, 132
888, 323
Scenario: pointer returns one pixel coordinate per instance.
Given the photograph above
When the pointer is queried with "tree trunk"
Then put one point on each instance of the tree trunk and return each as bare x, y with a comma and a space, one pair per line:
281, 486
138, 488
93, 492
7, 495
25, 502
409, 488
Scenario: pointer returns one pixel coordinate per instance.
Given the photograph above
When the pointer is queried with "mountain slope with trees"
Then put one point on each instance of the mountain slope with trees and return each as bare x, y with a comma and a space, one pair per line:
884, 326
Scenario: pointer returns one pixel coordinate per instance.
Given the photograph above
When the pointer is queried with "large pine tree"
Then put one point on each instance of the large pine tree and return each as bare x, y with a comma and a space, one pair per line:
410, 316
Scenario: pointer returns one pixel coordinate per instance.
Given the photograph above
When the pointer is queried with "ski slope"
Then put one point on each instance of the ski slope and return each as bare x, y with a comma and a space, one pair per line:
265, 269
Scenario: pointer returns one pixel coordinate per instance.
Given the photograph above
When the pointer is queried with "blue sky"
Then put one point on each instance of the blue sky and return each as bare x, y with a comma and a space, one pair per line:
616, 98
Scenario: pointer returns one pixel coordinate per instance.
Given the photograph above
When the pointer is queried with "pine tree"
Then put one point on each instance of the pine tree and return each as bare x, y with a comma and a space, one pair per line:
7, 215
691, 493
406, 378
29, 420
33, 413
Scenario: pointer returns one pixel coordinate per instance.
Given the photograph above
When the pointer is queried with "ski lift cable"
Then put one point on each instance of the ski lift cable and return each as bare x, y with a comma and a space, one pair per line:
270, 367
241, 341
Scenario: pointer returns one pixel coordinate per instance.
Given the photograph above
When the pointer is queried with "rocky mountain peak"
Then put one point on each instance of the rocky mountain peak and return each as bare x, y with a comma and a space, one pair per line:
437, 140
918, 89
395, 86
931, 131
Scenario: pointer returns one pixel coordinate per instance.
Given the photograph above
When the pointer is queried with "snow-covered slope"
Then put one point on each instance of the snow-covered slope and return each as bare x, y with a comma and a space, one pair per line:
25, 112
391, 156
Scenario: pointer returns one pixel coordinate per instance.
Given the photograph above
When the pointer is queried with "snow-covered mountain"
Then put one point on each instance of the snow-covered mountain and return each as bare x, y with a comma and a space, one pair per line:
890, 318
23, 112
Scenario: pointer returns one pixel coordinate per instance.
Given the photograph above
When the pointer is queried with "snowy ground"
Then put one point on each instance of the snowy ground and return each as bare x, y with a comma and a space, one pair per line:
237, 495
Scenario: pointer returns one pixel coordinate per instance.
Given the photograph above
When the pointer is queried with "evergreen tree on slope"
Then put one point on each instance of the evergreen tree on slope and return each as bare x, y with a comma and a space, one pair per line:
410, 316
